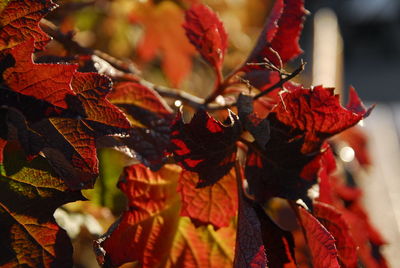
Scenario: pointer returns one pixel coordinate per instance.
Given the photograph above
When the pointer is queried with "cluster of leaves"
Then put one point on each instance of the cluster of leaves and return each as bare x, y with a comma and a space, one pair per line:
199, 196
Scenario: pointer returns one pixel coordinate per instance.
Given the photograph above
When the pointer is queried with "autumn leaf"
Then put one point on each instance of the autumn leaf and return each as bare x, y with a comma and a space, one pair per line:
320, 241
59, 112
277, 44
280, 35
164, 35
279, 244
150, 117
335, 223
249, 249
19, 21
205, 145
207, 33
29, 194
289, 164
215, 204
151, 231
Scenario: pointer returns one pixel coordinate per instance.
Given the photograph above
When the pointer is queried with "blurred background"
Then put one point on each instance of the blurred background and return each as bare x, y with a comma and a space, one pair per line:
346, 42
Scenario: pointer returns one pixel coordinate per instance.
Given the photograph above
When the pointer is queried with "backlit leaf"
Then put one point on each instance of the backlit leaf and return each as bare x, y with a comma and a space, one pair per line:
215, 204
63, 112
207, 33
19, 21
164, 35
320, 241
151, 231
281, 34
333, 220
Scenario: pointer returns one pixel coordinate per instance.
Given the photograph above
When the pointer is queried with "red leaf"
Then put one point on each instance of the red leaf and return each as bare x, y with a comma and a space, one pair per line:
281, 33
333, 220
215, 204
19, 22
59, 121
151, 231
205, 146
145, 231
320, 241
315, 114
355, 105
206, 32
300, 123
47, 82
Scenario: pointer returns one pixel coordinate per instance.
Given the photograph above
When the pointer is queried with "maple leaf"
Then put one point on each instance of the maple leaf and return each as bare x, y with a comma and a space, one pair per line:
205, 145
215, 204
63, 112
19, 21
320, 241
299, 123
164, 34
29, 194
150, 117
207, 33
151, 231
333, 220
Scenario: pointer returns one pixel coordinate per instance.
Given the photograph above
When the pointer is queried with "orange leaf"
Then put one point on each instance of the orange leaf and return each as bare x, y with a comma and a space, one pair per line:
19, 22
164, 35
151, 231
215, 204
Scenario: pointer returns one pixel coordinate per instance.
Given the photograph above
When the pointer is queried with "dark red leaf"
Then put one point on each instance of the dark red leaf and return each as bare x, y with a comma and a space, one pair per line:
333, 220
205, 145
278, 243
19, 22
300, 123
320, 241
151, 118
206, 32
215, 204
249, 249
258, 127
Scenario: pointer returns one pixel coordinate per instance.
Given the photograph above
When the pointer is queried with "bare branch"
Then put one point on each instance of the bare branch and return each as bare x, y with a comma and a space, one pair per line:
281, 81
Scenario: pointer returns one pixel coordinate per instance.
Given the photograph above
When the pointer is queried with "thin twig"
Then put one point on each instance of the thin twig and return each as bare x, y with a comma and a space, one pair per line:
281, 81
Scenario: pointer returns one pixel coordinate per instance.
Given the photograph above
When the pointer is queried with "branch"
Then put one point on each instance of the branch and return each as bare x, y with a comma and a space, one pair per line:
71, 45
281, 81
